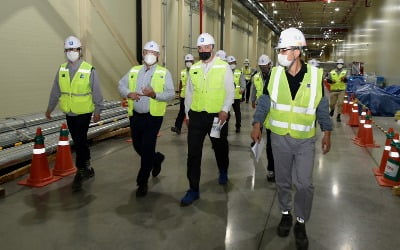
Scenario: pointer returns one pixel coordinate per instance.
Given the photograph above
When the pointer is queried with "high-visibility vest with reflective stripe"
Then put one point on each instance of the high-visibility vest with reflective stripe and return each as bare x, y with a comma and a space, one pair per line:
184, 73
236, 79
246, 73
208, 90
294, 117
76, 95
258, 84
157, 108
339, 84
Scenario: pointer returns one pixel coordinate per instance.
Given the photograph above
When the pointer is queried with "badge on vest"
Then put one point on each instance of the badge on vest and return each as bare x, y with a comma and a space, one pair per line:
195, 73
308, 85
82, 76
63, 75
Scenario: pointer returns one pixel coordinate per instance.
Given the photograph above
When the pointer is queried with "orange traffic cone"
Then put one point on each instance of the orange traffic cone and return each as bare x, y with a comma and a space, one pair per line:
354, 120
391, 176
360, 133
385, 155
345, 107
64, 165
40, 174
368, 139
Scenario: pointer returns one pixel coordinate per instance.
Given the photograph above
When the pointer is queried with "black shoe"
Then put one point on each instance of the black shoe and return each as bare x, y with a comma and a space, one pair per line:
331, 113
157, 164
176, 130
141, 191
301, 236
285, 225
237, 130
338, 118
77, 183
271, 176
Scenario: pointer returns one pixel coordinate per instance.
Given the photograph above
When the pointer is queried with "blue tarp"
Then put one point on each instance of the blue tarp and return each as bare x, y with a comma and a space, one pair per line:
381, 102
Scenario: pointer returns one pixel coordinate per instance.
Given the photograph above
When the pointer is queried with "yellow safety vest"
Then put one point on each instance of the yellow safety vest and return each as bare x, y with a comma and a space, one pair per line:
208, 90
339, 84
157, 108
246, 73
258, 84
183, 80
236, 79
294, 117
76, 95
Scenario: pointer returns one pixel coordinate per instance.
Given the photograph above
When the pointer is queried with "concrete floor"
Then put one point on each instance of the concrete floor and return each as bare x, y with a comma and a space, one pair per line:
350, 210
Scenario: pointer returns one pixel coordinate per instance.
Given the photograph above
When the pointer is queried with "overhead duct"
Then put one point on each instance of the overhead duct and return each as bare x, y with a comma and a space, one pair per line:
259, 11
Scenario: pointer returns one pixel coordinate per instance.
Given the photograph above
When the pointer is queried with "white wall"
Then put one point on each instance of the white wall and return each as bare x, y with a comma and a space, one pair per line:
374, 40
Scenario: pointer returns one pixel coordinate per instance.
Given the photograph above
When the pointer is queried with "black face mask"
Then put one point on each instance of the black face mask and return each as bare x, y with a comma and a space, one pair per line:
204, 55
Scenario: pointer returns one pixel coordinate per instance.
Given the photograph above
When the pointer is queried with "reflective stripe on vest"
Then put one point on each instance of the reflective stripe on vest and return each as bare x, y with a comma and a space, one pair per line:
258, 84
236, 79
337, 78
184, 74
157, 108
208, 90
294, 117
76, 95
246, 73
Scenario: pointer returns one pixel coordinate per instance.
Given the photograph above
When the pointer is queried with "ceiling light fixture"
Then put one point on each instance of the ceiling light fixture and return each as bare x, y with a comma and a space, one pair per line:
275, 12
332, 22
337, 9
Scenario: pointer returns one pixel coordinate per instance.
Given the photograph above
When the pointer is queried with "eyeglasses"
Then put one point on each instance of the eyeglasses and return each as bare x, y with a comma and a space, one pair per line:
283, 50
73, 49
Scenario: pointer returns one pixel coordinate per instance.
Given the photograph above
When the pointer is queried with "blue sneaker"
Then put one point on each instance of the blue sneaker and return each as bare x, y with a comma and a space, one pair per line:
223, 178
189, 197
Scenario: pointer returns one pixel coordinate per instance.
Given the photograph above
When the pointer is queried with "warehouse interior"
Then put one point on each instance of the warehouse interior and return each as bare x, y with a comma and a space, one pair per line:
350, 210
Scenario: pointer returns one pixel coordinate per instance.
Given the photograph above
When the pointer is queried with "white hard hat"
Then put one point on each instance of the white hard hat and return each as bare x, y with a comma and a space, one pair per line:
264, 60
205, 39
151, 45
72, 43
246, 61
313, 62
231, 59
340, 61
291, 37
221, 54
189, 57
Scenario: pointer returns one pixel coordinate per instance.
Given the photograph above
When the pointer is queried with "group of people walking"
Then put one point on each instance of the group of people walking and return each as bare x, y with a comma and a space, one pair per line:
288, 100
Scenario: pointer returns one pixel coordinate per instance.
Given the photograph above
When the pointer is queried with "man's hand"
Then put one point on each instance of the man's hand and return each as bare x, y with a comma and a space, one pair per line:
134, 96
343, 78
148, 91
256, 132
96, 118
222, 116
48, 115
253, 105
326, 142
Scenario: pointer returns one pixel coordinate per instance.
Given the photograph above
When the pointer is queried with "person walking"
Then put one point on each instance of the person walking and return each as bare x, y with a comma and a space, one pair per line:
240, 85
338, 79
76, 88
247, 72
209, 96
148, 88
290, 106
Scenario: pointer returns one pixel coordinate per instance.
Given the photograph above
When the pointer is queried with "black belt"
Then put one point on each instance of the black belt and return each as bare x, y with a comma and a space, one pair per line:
140, 114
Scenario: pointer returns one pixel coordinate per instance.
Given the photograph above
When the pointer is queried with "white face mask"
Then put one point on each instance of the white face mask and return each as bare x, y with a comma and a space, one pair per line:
340, 66
72, 56
188, 64
150, 59
283, 61
233, 66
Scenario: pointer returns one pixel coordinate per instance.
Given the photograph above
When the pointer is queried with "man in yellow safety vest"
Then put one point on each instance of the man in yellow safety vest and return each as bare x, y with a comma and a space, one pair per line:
148, 88
76, 89
338, 79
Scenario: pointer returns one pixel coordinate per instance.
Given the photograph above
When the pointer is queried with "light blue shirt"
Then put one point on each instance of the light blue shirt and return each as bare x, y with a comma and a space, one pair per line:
143, 81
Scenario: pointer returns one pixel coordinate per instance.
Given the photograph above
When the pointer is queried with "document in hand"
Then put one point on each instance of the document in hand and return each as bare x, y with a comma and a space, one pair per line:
258, 148
216, 128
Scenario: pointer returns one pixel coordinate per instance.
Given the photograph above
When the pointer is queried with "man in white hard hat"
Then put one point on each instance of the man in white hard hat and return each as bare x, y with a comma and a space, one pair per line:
189, 60
221, 54
148, 88
247, 72
209, 96
293, 101
240, 85
313, 62
259, 81
338, 79
76, 89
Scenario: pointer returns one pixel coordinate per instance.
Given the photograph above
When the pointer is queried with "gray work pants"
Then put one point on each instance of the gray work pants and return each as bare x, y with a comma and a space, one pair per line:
294, 156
